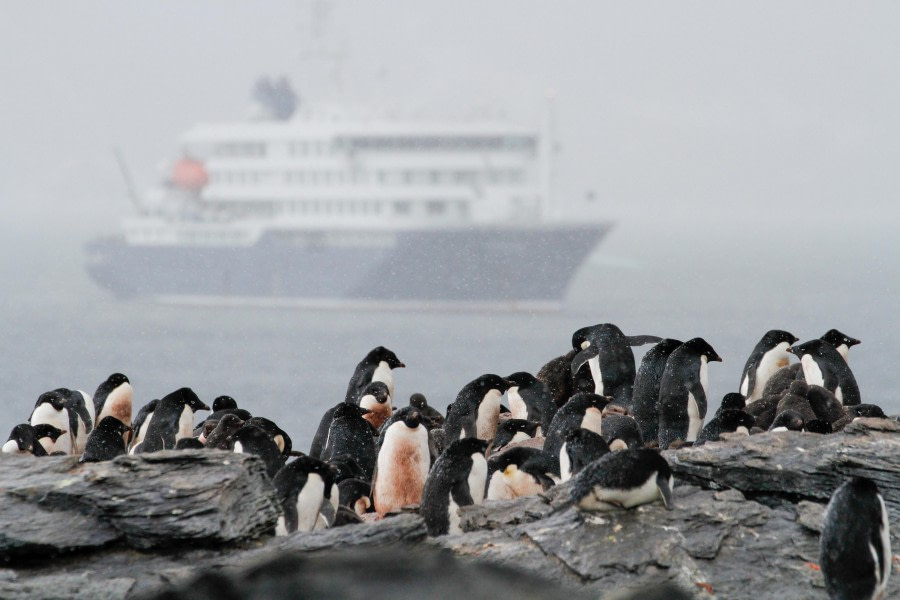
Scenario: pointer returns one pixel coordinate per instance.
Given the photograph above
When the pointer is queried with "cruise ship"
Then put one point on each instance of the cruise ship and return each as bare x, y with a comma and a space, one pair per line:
322, 206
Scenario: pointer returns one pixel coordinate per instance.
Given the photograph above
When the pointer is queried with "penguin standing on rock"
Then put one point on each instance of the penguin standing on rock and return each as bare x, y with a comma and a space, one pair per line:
476, 410
457, 479
250, 439
113, 398
172, 420
683, 391
855, 546
141, 423
769, 355
303, 487
377, 365
106, 441
645, 399
529, 399
824, 366
607, 351
624, 480
22, 440
583, 410
404, 460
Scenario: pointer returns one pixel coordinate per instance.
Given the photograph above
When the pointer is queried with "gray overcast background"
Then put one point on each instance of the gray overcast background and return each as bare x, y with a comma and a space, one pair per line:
763, 109
748, 152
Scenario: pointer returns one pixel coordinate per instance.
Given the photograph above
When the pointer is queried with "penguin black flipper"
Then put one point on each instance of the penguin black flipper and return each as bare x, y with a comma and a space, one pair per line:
461, 494
321, 435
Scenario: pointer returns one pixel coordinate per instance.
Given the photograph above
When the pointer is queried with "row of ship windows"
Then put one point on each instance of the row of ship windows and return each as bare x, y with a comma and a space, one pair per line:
493, 177
397, 207
408, 144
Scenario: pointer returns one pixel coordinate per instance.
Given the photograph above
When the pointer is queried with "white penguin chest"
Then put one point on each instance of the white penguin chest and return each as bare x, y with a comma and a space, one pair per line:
498, 489
769, 364
45, 413
453, 514
309, 501
565, 465
12, 447
488, 415
385, 375
594, 365
185, 424
478, 478
516, 404
811, 371
592, 420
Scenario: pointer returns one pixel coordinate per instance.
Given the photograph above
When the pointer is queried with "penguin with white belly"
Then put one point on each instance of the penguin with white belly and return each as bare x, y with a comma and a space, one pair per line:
513, 431
769, 355
476, 410
113, 398
53, 408
172, 420
582, 447
530, 399
404, 459
624, 480
457, 479
683, 392
583, 410
645, 398
351, 435
824, 366
840, 341
377, 365
521, 471
302, 486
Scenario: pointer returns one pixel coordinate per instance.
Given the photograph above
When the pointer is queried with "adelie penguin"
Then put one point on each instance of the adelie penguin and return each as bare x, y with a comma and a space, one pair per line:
476, 410
250, 439
840, 341
172, 420
855, 546
645, 399
457, 479
582, 447
824, 366
607, 351
624, 480
304, 489
22, 440
141, 423
106, 441
530, 399
351, 435
404, 460
521, 471
376, 397
221, 437
621, 432
113, 398
378, 365
769, 355
46, 436
683, 392
728, 420
513, 431
557, 375
66, 411
583, 410
431, 417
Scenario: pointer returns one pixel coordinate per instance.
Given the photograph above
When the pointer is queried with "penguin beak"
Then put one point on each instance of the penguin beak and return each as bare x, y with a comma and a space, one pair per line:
584, 356
789, 350
662, 484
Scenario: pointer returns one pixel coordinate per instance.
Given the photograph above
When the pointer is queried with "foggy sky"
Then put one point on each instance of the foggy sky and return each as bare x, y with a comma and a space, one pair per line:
760, 108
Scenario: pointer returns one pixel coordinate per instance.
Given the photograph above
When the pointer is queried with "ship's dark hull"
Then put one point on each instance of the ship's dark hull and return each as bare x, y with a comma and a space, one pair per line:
475, 265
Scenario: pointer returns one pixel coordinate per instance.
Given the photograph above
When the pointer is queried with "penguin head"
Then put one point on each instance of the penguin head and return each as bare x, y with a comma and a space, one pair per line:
733, 401
346, 467
773, 337
55, 399
378, 391
24, 437
115, 380
513, 430
798, 387
584, 401
114, 426
346, 410
192, 400
379, 354
412, 418
790, 420
228, 424
418, 401
701, 347
813, 347
521, 379
224, 402
836, 338
43, 430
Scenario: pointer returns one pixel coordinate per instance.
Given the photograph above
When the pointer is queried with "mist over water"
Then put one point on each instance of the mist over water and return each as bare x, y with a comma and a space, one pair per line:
672, 277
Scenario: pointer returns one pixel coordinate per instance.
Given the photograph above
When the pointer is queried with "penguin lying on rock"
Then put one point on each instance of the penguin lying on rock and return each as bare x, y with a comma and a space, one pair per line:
624, 479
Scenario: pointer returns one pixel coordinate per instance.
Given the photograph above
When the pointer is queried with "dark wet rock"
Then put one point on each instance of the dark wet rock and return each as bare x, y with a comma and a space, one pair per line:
746, 524
53, 505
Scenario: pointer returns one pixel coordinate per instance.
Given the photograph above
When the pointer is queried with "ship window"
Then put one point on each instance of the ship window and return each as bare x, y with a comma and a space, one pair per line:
402, 207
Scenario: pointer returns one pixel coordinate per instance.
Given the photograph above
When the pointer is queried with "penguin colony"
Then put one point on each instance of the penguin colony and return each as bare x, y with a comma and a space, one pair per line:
588, 415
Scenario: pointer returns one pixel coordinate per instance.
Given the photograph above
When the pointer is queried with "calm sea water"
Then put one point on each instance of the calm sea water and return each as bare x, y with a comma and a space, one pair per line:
726, 283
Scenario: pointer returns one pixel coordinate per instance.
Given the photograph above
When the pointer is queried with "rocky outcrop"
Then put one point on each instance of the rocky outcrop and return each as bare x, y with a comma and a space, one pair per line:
746, 524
